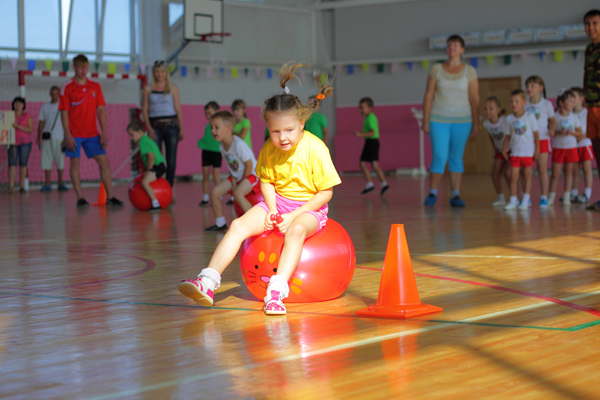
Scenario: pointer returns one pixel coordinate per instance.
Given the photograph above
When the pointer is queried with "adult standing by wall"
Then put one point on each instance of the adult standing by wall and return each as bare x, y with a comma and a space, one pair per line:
162, 113
450, 115
22, 148
591, 86
50, 137
81, 102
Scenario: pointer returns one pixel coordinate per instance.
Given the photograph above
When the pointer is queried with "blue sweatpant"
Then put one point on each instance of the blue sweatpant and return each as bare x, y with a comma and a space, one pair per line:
448, 141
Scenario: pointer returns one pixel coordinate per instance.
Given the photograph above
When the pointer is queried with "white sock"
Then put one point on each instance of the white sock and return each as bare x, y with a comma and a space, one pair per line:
544, 198
588, 193
211, 277
384, 184
514, 199
279, 283
567, 195
369, 185
155, 203
220, 222
205, 197
501, 197
574, 192
551, 196
525, 199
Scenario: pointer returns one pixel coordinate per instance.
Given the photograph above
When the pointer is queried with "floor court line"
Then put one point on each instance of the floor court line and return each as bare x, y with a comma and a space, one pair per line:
487, 256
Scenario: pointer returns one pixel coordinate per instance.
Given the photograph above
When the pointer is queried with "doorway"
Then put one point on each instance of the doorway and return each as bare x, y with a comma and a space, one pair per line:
479, 153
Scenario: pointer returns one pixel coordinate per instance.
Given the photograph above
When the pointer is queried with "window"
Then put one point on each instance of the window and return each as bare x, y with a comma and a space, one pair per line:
41, 24
9, 28
82, 35
117, 28
175, 12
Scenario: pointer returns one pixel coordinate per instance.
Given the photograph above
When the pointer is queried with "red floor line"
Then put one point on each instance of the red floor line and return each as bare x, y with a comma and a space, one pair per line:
574, 306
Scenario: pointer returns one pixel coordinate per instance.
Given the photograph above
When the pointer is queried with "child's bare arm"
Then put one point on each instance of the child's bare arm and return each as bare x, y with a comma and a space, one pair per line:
315, 203
150, 162
268, 192
551, 126
536, 139
247, 168
365, 134
243, 133
578, 133
505, 147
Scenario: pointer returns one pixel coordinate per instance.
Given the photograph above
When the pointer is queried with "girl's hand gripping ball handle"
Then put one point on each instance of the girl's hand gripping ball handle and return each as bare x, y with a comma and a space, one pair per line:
276, 217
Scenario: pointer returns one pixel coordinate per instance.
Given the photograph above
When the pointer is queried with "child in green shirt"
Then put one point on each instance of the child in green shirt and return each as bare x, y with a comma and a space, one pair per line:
242, 124
211, 156
153, 160
317, 123
370, 152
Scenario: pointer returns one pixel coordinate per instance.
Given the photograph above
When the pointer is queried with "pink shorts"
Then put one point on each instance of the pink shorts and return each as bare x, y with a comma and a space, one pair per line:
286, 206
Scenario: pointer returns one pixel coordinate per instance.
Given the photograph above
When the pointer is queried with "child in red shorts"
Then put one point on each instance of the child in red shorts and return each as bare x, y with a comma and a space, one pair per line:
495, 125
523, 143
584, 150
568, 131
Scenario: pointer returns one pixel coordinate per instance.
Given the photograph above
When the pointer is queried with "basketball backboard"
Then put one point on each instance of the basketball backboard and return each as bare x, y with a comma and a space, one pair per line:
203, 20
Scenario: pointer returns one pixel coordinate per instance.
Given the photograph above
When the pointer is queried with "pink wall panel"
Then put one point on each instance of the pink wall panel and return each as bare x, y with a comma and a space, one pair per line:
398, 136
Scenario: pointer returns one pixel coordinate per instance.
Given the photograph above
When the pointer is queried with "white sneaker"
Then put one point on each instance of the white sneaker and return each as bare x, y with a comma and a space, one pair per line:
510, 206
582, 198
566, 201
499, 203
551, 200
523, 207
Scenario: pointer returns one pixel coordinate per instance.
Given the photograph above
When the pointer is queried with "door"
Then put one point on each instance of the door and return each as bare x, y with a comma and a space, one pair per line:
479, 153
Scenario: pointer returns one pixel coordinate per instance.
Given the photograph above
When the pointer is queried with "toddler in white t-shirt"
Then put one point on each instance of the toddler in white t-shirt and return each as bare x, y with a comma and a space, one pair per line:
523, 143
496, 127
584, 150
568, 132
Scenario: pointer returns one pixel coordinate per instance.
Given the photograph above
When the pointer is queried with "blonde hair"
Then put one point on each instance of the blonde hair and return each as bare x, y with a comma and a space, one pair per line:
224, 116
289, 103
519, 92
164, 67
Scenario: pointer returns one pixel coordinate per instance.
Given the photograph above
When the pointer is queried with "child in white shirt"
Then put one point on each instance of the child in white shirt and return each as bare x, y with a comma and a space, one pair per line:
568, 131
495, 125
523, 143
584, 150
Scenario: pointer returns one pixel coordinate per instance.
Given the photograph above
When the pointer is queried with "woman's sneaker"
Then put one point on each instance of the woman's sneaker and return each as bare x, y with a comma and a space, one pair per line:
198, 291
543, 204
523, 206
457, 202
273, 304
499, 203
510, 206
430, 200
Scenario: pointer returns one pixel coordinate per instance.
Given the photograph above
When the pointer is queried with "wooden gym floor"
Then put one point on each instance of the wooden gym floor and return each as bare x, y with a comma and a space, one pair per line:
89, 307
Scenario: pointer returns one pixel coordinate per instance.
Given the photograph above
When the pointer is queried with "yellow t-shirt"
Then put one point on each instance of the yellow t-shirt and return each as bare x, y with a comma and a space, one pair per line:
300, 173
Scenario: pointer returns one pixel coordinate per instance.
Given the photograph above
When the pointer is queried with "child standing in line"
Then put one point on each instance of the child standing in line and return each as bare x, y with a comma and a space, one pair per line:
584, 150
153, 160
523, 142
568, 131
211, 155
317, 123
297, 178
370, 152
242, 124
495, 125
241, 163
544, 114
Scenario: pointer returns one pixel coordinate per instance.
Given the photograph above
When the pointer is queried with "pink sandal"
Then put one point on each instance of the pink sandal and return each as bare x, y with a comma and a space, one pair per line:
274, 306
197, 290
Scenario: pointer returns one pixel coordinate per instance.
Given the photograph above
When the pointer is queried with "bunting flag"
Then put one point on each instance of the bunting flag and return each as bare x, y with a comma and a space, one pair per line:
365, 67
197, 70
246, 71
425, 64
338, 68
222, 71
269, 73
490, 59
31, 65
234, 73
323, 78
380, 68
575, 52
541, 55
112, 68
171, 68
183, 71
65, 66
350, 69
507, 59
48, 65
394, 67
127, 67
257, 71
143, 69
523, 56
209, 72
13, 62
409, 65
558, 55
474, 62
96, 66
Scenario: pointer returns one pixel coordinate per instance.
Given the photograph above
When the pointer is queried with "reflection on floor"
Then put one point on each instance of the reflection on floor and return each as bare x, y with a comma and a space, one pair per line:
89, 306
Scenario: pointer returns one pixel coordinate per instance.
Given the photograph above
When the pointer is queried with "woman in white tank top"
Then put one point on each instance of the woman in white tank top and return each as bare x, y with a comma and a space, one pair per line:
162, 111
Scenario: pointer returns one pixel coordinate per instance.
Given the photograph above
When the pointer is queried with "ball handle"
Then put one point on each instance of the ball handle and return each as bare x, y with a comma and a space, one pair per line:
276, 217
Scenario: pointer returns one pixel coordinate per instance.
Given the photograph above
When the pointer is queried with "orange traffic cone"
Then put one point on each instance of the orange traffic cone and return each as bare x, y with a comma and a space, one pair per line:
398, 293
101, 196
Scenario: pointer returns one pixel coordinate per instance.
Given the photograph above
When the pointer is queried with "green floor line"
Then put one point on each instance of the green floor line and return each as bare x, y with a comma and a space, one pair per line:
137, 303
